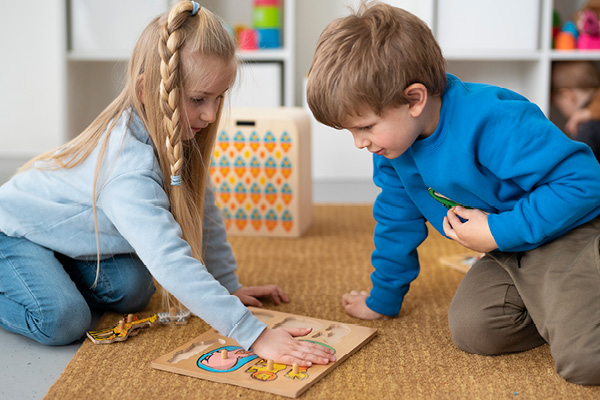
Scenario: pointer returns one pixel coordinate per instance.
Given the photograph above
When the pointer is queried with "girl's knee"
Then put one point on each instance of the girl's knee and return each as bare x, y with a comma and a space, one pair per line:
135, 297
65, 323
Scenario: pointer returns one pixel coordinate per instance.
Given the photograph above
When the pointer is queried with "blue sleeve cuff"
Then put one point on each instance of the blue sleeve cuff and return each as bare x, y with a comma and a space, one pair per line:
386, 302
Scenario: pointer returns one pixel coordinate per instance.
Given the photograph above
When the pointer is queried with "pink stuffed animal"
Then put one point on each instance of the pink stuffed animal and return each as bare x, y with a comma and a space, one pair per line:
589, 30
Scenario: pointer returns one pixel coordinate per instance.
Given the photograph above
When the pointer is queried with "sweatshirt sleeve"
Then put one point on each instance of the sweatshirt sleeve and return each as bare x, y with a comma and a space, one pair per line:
144, 220
399, 230
550, 181
217, 252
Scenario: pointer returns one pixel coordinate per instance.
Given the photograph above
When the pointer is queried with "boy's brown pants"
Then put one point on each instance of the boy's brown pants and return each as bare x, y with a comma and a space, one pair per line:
510, 302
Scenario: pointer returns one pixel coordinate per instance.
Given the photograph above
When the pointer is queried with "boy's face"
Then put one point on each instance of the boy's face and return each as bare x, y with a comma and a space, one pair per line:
389, 134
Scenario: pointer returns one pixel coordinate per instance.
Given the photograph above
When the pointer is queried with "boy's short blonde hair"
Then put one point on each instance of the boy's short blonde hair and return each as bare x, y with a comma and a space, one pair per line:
367, 59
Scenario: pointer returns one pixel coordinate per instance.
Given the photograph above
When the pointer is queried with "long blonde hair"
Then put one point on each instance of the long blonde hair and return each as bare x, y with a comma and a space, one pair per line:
154, 88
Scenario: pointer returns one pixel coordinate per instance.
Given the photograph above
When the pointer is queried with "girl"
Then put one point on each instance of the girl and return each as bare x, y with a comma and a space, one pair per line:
90, 223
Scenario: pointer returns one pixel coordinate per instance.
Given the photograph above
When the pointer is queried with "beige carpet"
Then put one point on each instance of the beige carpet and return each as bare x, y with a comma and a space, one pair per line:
411, 357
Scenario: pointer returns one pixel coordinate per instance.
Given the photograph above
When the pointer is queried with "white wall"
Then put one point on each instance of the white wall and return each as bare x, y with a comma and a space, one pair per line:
312, 16
32, 77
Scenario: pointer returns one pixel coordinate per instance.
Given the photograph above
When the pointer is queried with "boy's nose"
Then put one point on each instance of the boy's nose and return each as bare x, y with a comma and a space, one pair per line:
360, 143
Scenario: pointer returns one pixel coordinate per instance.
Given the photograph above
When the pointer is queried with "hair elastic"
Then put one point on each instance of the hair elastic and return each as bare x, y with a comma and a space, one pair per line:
196, 8
175, 180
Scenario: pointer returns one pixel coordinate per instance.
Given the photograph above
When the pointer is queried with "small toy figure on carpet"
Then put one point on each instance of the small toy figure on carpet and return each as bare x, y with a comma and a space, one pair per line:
130, 325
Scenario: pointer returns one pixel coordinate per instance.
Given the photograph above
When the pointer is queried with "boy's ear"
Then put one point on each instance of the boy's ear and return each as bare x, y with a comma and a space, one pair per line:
417, 94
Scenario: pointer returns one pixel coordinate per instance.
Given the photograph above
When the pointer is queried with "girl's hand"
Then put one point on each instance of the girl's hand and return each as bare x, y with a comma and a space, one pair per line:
249, 294
280, 346
355, 304
474, 233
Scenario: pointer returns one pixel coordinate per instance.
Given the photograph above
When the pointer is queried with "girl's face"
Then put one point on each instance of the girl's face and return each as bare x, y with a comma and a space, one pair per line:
207, 79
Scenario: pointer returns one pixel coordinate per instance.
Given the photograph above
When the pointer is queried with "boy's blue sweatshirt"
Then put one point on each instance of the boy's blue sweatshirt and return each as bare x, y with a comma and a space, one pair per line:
492, 150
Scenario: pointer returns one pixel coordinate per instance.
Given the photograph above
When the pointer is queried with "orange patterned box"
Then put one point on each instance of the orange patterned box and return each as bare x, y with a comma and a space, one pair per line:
261, 171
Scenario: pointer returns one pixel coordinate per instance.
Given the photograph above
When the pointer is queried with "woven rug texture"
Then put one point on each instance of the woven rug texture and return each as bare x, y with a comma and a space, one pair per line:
411, 357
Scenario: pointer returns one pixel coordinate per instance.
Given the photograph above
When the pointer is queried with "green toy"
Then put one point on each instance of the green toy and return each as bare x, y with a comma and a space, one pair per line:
448, 203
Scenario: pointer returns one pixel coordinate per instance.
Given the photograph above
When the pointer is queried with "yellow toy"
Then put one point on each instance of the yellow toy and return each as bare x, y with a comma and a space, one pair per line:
130, 325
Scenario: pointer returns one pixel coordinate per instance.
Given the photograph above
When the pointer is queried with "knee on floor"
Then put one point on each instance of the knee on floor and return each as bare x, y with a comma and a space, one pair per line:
65, 323
474, 335
579, 368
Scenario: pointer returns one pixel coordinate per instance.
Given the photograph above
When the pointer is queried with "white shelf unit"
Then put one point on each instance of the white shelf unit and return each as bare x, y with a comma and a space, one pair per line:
525, 71
96, 76
54, 93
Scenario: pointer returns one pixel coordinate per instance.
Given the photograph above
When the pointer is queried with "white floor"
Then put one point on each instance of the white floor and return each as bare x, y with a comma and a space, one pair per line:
28, 369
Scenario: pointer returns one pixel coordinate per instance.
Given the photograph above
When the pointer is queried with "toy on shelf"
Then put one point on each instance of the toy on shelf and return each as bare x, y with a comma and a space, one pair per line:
247, 38
566, 39
589, 30
266, 20
130, 325
555, 26
582, 33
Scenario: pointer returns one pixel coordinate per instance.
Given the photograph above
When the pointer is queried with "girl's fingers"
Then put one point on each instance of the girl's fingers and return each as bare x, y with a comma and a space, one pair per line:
298, 331
282, 295
251, 301
311, 356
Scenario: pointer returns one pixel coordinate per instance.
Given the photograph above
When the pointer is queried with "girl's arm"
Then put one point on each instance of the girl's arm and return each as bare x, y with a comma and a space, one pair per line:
220, 260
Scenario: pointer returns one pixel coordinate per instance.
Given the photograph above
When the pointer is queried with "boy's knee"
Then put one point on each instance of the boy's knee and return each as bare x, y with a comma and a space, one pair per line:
579, 368
470, 333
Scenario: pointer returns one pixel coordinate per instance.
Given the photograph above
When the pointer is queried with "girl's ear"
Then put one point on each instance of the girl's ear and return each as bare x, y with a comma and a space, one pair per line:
139, 87
417, 95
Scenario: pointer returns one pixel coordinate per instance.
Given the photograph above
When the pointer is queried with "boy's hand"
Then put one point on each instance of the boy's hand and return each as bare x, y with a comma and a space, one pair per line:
249, 294
474, 234
355, 304
280, 346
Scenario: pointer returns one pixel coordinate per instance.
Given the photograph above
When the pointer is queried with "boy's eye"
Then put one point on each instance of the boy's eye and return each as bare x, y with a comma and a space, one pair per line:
365, 128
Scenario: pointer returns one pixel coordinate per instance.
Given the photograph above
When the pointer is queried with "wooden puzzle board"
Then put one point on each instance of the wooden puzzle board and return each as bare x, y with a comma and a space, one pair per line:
201, 357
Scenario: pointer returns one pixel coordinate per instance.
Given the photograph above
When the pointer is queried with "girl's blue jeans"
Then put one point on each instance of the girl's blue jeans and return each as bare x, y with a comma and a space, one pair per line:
46, 296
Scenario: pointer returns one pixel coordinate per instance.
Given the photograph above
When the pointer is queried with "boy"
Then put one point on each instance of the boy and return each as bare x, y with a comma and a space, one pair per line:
574, 87
534, 194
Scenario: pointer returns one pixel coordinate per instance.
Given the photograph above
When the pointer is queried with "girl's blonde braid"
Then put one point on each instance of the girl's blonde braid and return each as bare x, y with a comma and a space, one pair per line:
171, 40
